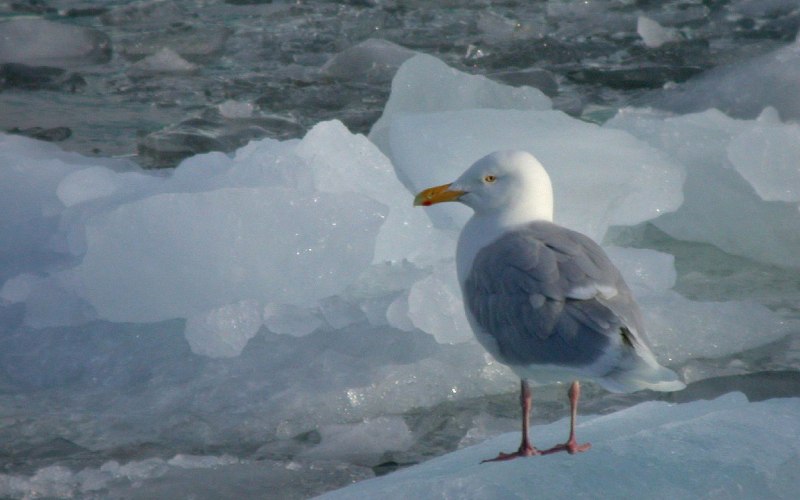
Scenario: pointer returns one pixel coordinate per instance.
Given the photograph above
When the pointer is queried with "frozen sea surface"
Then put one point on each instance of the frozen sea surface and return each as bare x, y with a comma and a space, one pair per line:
273, 317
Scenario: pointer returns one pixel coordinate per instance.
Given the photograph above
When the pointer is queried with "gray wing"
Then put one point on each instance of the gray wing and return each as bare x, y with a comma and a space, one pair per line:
546, 294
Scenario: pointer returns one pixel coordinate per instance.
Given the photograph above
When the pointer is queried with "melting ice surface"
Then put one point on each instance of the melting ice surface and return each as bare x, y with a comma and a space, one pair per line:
279, 315
669, 451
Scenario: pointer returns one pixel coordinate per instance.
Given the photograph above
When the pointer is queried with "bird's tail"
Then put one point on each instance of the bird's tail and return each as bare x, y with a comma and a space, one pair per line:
643, 376
639, 371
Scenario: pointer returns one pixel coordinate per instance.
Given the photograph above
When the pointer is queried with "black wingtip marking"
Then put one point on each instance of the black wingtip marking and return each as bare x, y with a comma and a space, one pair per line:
627, 337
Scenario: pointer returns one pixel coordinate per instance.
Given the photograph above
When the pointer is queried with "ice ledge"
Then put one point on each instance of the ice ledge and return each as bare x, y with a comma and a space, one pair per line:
724, 448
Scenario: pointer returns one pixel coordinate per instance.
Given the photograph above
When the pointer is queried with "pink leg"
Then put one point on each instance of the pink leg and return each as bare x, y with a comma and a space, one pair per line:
525, 448
571, 446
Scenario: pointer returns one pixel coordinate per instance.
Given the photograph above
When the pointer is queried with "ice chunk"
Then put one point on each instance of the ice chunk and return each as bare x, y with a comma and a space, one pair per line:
372, 59
28, 183
137, 470
224, 332
600, 176
19, 288
286, 319
201, 461
374, 309
178, 254
343, 163
41, 42
340, 313
165, 60
732, 216
183, 476
266, 162
87, 184
743, 88
397, 314
236, 109
55, 481
767, 155
644, 270
363, 442
435, 306
380, 285
653, 34
52, 303
680, 329
29, 173
424, 84
330, 174
727, 447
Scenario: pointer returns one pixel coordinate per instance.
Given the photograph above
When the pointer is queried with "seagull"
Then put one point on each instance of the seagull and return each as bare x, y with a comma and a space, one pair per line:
543, 299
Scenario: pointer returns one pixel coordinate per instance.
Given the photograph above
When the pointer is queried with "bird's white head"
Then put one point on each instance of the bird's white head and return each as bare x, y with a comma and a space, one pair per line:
505, 184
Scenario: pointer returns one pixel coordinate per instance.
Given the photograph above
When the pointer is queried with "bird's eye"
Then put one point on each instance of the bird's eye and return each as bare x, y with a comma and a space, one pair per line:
489, 179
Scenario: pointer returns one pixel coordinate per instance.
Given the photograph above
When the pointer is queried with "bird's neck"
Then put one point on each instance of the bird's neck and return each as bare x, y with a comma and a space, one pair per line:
484, 228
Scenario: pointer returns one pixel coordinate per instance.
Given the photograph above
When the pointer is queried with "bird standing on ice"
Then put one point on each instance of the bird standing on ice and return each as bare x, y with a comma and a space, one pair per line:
543, 299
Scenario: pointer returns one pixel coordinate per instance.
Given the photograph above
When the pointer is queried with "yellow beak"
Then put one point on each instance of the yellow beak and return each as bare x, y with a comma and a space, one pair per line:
437, 194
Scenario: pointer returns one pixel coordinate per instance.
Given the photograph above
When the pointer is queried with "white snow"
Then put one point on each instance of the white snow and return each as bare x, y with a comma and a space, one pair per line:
725, 448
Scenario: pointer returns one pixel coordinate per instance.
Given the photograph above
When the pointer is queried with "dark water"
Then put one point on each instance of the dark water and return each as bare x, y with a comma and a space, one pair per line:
270, 54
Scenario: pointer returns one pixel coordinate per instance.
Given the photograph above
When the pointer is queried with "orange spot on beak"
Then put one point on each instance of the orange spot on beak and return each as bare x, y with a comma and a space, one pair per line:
437, 194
